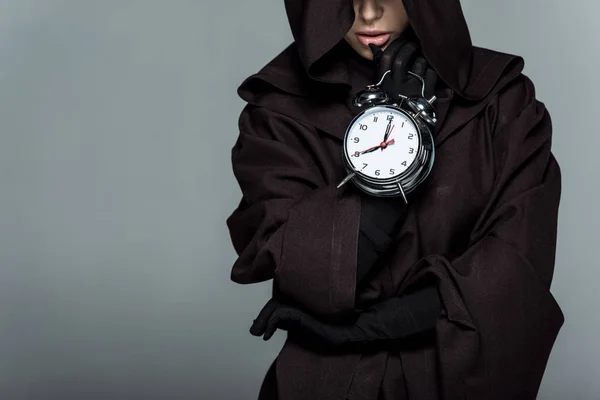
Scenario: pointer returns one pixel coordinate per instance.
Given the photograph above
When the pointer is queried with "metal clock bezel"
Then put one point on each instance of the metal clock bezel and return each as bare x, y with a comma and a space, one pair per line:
372, 110
420, 161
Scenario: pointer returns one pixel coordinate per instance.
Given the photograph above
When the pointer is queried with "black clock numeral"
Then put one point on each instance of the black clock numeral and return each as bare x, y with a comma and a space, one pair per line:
375, 118
404, 163
356, 140
411, 150
390, 117
402, 124
363, 127
356, 154
392, 171
364, 166
377, 172
410, 135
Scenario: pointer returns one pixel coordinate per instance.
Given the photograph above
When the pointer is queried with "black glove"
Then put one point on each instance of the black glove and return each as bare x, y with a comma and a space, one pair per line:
395, 318
404, 53
379, 221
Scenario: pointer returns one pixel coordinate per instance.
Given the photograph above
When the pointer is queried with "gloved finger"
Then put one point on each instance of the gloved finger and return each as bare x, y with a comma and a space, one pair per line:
431, 81
260, 323
274, 323
270, 330
419, 67
402, 61
386, 60
377, 53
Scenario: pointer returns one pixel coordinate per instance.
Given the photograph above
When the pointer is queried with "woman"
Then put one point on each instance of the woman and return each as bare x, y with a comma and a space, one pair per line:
446, 297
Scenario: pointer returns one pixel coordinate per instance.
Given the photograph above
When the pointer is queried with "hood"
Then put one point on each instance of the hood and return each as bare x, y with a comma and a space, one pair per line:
313, 60
439, 25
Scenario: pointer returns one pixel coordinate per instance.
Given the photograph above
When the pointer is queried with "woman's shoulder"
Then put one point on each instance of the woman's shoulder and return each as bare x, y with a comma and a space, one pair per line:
511, 92
282, 91
513, 97
283, 74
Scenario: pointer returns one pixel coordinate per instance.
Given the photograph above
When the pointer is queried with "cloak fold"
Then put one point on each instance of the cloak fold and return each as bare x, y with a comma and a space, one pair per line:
501, 320
292, 214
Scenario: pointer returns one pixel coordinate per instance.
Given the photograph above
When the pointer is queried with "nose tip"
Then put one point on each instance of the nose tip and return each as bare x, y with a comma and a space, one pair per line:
370, 10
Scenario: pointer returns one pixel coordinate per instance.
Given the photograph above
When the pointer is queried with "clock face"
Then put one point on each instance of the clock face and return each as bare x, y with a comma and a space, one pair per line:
382, 143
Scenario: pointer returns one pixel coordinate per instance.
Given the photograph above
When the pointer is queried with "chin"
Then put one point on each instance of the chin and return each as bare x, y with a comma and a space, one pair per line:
368, 54
362, 51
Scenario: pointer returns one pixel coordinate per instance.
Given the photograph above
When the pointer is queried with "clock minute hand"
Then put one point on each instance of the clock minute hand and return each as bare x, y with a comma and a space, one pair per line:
387, 131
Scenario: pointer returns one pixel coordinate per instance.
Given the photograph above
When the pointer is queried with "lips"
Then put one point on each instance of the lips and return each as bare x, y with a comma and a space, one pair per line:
376, 38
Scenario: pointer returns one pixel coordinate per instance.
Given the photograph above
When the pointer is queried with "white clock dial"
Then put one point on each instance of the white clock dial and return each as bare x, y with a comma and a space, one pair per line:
382, 143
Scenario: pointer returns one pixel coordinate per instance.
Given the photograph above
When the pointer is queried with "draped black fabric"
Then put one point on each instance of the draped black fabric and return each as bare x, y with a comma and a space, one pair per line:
482, 226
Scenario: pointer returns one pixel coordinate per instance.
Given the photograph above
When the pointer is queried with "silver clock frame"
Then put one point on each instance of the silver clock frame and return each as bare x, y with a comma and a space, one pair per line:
420, 111
405, 182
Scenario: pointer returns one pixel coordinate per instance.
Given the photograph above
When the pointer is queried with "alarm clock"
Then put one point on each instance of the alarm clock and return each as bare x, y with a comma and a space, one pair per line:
388, 147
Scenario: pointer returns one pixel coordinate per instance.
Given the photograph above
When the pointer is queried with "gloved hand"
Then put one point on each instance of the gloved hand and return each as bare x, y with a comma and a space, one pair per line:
395, 318
404, 53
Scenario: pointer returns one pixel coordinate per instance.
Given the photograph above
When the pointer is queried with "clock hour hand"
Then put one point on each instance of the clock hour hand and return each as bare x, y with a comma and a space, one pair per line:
368, 150
372, 149
382, 145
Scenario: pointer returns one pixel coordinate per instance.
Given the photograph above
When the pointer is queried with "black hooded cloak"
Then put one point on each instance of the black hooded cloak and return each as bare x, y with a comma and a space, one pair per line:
483, 224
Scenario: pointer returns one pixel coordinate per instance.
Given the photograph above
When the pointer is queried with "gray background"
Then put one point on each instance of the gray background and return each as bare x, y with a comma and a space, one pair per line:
116, 122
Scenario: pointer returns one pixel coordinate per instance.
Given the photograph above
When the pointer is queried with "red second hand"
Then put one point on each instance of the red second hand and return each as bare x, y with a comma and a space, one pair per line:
374, 147
385, 144
382, 145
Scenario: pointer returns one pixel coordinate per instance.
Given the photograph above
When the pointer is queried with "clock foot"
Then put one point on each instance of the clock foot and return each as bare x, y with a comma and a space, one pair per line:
402, 192
346, 179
